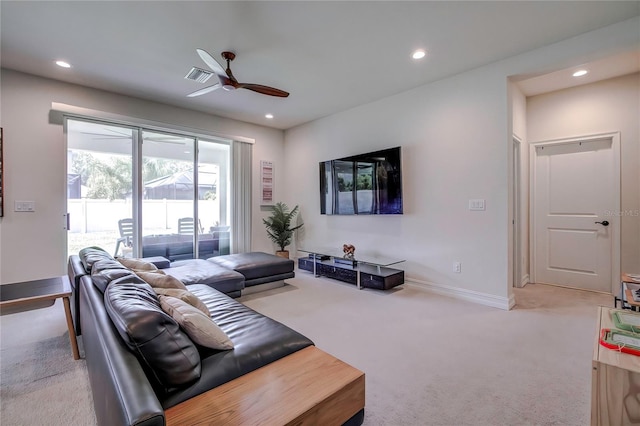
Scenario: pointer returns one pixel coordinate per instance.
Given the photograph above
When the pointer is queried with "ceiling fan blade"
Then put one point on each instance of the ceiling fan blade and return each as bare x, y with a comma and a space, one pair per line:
211, 62
265, 90
205, 90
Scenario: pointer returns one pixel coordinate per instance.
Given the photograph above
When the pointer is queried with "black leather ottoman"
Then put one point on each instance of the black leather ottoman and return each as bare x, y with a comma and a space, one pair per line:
199, 271
257, 267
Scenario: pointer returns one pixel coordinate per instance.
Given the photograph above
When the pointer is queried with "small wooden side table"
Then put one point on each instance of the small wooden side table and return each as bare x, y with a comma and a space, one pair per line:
37, 294
614, 380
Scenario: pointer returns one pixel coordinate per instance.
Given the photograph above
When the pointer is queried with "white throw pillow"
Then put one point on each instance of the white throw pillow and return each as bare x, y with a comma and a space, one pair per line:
137, 264
160, 280
198, 326
185, 296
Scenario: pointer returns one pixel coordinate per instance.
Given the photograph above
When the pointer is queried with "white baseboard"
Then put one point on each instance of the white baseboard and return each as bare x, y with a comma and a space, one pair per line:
505, 303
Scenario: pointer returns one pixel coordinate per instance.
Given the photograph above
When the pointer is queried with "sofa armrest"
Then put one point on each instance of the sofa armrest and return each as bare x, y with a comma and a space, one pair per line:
122, 393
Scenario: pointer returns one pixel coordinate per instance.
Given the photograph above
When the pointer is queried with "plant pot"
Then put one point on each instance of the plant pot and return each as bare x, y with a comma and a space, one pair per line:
284, 253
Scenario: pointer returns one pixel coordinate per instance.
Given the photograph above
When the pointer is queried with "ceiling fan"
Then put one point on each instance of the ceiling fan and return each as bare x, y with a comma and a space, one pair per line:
226, 79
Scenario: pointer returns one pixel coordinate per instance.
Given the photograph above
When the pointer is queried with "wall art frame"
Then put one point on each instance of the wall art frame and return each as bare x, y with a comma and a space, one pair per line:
266, 183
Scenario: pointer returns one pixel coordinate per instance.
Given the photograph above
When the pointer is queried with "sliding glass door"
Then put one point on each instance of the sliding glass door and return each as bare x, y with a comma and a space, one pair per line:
143, 193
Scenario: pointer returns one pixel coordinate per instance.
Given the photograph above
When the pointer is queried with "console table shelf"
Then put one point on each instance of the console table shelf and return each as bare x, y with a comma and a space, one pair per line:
371, 276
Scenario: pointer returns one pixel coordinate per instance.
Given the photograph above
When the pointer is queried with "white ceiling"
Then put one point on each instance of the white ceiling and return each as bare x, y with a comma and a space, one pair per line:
331, 56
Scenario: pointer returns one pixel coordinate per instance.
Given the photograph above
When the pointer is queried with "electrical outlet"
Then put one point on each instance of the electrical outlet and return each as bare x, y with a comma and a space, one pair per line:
457, 267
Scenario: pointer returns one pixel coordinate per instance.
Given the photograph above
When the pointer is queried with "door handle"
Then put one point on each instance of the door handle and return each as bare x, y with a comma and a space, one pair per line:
604, 223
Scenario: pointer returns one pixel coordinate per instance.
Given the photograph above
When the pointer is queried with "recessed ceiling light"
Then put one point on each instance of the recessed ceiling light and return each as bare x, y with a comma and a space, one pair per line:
580, 73
63, 64
419, 54
269, 116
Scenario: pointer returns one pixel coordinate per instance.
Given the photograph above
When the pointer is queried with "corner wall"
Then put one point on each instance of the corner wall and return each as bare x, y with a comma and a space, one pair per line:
33, 244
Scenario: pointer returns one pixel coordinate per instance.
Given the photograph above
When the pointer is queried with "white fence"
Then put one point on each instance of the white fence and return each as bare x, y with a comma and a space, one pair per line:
88, 215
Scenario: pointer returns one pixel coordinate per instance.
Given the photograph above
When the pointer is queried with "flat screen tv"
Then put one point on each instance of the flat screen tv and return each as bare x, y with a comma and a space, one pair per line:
369, 183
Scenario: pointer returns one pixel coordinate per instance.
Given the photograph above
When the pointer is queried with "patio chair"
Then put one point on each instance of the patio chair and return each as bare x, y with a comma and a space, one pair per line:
185, 226
126, 234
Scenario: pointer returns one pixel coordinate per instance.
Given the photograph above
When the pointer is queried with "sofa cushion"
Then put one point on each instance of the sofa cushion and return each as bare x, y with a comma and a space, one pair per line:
254, 264
151, 334
107, 270
161, 280
257, 339
200, 327
185, 296
137, 264
90, 255
199, 271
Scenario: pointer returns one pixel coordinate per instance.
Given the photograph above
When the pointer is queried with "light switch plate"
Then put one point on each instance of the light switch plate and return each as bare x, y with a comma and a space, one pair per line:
24, 206
476, 204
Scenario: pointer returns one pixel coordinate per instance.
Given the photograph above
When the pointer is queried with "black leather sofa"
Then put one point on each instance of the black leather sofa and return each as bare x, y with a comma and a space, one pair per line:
135, 378
229, 274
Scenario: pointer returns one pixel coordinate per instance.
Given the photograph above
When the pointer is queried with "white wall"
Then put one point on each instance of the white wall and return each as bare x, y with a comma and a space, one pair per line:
453, 137
604, 107
456, 135
33, 244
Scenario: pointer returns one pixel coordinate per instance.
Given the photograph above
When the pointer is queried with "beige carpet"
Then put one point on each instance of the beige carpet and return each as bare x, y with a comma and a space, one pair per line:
40, 383
433, 360
428, 359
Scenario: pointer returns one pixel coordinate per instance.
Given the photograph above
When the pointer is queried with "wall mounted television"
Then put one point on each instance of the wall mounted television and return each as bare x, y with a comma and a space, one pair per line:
362, 184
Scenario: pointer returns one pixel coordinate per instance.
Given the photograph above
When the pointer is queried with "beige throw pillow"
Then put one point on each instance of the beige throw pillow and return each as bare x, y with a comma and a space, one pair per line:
199, 327
160, 280
185, 296
137, 264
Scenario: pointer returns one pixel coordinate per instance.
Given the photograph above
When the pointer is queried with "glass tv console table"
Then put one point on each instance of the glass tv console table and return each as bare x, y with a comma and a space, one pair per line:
362, 270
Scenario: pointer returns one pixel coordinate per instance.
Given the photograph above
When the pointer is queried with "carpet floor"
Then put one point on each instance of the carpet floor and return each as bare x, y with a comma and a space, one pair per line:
428, 359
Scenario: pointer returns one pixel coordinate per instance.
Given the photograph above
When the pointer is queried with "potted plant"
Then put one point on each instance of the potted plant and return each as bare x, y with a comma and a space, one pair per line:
279, 227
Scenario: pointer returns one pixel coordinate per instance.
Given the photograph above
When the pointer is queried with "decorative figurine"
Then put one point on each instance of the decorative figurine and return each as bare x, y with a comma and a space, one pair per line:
349, 250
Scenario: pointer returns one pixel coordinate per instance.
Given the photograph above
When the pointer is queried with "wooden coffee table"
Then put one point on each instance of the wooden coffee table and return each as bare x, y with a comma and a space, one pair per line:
308, 387
28, 295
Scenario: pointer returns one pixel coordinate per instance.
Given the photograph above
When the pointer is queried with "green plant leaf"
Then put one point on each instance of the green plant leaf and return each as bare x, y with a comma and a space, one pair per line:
278, 225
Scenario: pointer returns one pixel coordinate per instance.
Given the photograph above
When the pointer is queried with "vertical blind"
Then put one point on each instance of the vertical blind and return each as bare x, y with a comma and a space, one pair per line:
241, 158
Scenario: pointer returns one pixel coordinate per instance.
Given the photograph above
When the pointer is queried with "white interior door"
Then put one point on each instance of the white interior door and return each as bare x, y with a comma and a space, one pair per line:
576, 192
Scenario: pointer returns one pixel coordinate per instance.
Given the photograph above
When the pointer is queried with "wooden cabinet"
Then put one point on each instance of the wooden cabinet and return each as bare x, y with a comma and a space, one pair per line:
615, 386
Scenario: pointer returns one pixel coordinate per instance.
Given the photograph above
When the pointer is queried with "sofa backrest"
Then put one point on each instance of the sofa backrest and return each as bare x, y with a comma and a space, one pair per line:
89, 255
152, 334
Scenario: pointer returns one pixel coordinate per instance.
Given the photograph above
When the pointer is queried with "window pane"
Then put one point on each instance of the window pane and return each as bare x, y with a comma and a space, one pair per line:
213, 199
99, 182
167, 190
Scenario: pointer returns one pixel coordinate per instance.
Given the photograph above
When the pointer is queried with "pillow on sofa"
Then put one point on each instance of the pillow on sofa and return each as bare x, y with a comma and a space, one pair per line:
151, 334
161, 280
137, 264
185, 296
200, 328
